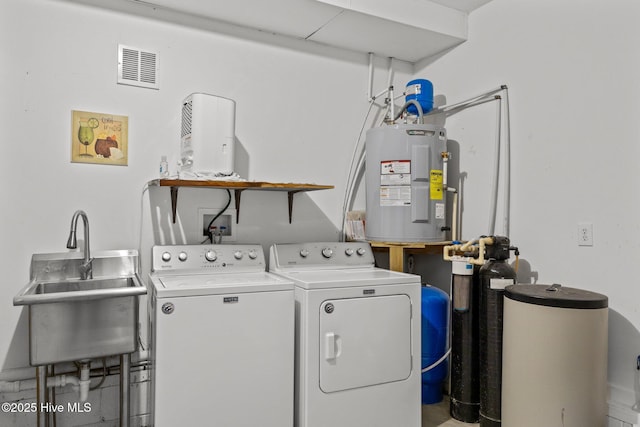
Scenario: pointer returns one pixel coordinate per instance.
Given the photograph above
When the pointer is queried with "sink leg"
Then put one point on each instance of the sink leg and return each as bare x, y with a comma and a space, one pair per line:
42, 418
125, 367
51, 396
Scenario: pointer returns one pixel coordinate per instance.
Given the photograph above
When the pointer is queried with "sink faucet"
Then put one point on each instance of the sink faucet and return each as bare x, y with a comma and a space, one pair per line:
85, 268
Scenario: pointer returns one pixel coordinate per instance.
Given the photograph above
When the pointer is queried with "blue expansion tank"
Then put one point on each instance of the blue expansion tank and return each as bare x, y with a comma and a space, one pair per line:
422, 91
435, 314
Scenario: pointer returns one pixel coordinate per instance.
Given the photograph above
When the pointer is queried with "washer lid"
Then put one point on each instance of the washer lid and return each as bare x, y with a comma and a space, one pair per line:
216, 284
556, 296
348, 277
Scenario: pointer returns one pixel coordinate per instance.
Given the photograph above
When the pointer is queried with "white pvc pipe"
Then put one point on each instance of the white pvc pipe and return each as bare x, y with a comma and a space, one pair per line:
454, 215
390, 86
382, 92
31, 384
475, 101
493, 202
358, 152
359, 171
467, 247
436, 363
370, 87
454, 212
445, 167
85, 381
457, 109
392, 105
468, 101
507, 171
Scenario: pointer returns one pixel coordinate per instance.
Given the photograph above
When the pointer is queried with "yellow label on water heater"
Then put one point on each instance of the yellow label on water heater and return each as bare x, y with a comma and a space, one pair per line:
436, 191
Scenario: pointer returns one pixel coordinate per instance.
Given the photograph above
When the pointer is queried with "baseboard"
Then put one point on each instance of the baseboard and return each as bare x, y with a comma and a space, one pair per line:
621, 402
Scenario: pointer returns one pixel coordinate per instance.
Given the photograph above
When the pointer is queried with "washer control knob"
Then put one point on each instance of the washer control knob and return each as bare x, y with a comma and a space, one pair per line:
182, 256
166, 256
348, 252
361, 251
304, 253
211, 255
238, 254
253, 254
327, 252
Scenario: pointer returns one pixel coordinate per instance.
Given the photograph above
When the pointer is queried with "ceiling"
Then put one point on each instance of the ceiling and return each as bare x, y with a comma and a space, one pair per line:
463, 5
409, 30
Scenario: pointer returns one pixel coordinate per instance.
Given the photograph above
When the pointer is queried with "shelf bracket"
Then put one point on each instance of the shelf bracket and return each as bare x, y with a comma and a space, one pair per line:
174, 202
290, 200
237, 199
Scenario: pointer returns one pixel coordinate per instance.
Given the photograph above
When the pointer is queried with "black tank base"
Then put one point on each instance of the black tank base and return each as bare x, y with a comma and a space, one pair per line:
488, 422
465, 412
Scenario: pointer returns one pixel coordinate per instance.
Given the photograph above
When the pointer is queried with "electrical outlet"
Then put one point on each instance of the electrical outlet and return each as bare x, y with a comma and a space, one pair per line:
585, 234
225, 223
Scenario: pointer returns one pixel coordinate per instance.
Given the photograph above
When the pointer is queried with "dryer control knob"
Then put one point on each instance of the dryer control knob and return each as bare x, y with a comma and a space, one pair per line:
361, 251
253, 254
166, 256
237, 255
211, 256
327, 252
348, 252
304, 253
182, 256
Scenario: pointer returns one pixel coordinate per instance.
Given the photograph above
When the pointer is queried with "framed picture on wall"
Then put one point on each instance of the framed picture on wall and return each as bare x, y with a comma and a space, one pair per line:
99, 138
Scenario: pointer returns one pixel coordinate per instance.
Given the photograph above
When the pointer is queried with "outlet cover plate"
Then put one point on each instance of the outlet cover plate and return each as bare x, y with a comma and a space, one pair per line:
585, 234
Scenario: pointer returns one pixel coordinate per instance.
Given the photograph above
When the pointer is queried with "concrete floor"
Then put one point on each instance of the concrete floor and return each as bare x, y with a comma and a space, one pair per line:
437, 415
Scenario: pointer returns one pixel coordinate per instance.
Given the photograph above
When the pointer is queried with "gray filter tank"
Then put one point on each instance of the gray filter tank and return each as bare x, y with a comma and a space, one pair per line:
406, 200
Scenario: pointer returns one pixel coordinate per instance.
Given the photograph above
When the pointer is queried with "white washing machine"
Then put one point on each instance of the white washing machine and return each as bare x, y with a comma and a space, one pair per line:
222, 331
357, 337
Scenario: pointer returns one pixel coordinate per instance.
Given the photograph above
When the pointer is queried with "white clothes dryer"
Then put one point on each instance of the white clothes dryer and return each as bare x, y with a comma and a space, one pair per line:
222, 338
357, 337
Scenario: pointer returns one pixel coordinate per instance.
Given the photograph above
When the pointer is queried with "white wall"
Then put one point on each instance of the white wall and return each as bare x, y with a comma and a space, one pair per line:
299, 111
572, 70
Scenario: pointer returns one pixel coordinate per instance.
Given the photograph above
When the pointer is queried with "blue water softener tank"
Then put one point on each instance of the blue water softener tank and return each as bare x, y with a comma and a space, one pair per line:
422, 91
435, 312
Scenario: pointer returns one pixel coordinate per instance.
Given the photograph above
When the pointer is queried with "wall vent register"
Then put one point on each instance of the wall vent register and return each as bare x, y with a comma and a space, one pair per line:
137, 67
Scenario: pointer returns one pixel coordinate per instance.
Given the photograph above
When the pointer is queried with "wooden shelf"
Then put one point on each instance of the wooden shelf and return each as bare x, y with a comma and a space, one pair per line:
397, 250
238, 187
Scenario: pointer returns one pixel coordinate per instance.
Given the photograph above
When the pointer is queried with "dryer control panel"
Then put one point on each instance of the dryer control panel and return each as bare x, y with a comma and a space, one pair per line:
204, 258
317, 254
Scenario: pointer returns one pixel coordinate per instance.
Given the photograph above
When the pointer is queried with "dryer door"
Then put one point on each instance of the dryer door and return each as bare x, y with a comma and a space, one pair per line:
364, 341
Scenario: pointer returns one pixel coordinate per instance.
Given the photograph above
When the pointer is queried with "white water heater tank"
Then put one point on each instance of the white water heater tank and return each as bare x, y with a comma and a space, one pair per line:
208, 134
406, 201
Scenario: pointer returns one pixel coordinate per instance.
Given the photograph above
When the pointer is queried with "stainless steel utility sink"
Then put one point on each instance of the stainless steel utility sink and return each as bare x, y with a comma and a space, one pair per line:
72, 319
79, 290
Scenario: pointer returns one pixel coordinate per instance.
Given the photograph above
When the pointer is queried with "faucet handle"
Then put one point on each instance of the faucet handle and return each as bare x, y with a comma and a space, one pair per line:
86, 269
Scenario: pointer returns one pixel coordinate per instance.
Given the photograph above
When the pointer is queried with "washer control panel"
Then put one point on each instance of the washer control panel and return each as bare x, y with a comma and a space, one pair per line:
321, 253
208, 257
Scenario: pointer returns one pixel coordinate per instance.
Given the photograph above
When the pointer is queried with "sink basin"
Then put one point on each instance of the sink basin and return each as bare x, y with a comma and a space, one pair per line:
72, 319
